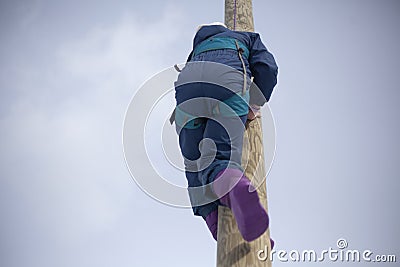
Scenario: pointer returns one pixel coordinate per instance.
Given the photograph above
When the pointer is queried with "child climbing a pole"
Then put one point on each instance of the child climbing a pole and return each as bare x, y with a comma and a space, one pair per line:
215, 96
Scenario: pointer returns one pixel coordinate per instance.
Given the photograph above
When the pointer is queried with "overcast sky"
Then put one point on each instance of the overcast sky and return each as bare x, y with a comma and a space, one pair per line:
70, 68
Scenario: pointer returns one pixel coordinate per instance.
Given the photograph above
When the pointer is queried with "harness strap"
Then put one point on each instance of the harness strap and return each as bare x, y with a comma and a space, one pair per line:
172, 117
240, 53
177, 68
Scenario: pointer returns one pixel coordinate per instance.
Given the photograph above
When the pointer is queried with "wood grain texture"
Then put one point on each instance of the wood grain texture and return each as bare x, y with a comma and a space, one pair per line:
232, 249
244, 15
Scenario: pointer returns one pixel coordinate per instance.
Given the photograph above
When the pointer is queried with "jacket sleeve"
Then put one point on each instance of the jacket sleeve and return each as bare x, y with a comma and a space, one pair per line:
264, 70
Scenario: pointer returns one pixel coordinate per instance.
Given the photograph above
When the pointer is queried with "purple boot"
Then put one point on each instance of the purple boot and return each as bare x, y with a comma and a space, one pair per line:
212, 223
251, 217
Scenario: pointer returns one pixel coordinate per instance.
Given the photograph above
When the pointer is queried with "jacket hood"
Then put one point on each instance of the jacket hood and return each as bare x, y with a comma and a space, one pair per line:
206, 32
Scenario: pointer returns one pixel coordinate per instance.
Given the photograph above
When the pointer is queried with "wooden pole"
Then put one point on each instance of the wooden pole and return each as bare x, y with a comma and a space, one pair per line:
232, 249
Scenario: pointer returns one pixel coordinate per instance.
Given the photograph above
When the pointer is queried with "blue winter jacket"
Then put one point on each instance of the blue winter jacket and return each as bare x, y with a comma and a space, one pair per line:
260, 63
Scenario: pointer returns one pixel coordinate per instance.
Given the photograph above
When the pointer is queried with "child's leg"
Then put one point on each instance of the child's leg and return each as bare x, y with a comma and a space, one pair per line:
231, 186
227, 135
189, 140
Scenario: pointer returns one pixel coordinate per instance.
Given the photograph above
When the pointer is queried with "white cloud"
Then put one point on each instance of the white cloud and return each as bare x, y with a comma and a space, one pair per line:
61, 136
125, 53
